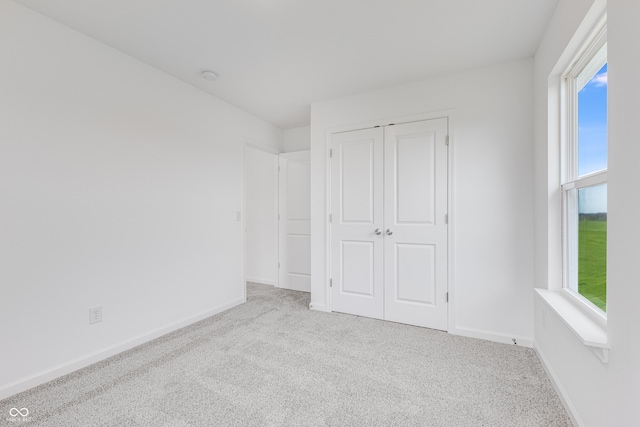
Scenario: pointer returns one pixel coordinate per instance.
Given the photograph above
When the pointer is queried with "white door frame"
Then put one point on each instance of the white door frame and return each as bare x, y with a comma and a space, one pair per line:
449, 115
249, 143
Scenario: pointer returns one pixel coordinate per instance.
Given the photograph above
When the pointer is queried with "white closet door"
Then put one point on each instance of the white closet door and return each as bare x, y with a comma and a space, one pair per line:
295, 221
357, 211
415, 208
389, 192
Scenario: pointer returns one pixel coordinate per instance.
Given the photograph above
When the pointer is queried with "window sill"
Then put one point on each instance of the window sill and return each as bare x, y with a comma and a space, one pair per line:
590, 332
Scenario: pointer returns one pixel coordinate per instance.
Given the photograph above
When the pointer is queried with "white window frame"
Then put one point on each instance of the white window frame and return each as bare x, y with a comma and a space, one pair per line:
571, 83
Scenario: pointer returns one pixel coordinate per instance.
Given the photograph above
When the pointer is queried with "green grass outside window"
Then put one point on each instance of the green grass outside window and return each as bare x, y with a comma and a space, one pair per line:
592, 261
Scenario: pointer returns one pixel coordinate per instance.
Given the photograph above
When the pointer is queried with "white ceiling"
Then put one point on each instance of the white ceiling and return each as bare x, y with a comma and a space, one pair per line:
275, 57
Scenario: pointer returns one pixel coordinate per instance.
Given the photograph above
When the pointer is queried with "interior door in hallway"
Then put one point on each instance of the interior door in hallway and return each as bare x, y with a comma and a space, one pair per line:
389, 195
295, 221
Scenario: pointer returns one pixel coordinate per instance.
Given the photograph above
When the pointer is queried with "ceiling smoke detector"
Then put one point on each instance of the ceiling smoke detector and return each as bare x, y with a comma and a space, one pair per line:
209, 75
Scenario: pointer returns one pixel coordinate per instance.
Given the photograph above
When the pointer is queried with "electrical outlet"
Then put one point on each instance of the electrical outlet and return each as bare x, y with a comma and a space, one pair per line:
95, 314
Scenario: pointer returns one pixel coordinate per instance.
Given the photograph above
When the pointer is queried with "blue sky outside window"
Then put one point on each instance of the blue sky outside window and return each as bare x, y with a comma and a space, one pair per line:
593, 138
592, 124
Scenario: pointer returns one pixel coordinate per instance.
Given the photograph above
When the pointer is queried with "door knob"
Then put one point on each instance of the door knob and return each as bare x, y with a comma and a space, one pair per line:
389, 232
377, 232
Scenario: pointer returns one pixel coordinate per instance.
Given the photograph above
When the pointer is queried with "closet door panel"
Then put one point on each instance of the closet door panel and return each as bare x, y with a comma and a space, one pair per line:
415, 179
357, 257
415, 209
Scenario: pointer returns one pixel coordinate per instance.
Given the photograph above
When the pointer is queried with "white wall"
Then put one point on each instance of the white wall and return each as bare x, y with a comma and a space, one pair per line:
119, 186
597, 394
623, 297
297, 139
261, 186
491, 292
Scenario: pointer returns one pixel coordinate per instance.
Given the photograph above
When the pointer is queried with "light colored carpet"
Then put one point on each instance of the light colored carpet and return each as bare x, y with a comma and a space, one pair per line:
273, 362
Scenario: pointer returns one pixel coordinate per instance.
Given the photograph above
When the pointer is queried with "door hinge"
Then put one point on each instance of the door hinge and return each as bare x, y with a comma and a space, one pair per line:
278, 265
331, 283
446, 140
331, 153
278, 217
446, 297
278, 168
330, 217
446, 218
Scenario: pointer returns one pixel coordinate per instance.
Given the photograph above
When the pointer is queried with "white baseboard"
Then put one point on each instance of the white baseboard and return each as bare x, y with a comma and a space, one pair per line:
559, 390
318, 307
84, 361
492, 336
261, 281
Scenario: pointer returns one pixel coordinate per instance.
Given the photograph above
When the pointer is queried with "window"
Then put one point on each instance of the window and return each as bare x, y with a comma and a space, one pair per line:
584, 175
